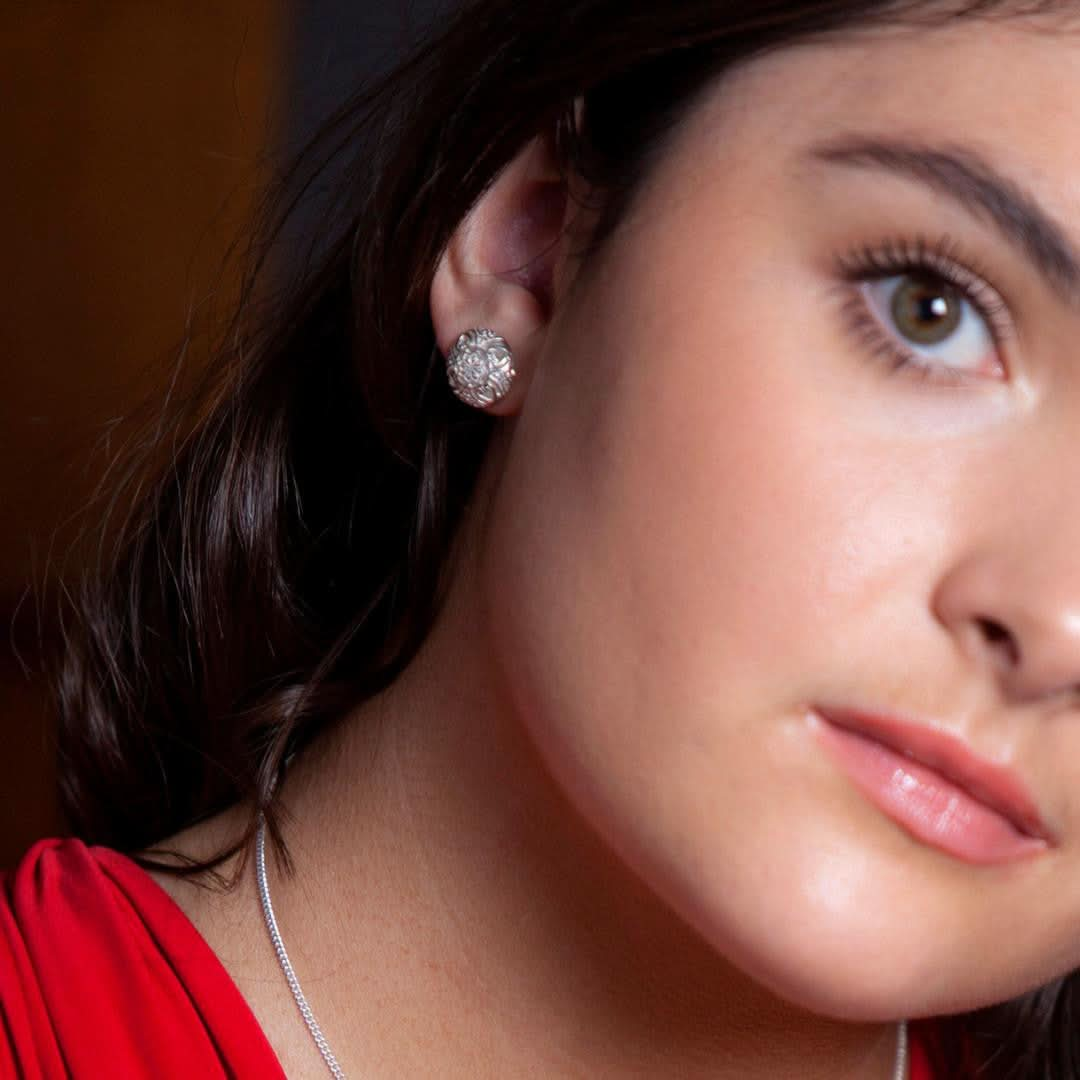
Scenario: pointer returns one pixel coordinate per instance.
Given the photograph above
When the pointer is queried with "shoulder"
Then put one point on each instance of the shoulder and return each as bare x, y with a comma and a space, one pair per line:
102, 973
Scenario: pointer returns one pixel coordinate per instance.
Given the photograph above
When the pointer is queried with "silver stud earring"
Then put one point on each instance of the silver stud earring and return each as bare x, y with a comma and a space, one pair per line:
480, 368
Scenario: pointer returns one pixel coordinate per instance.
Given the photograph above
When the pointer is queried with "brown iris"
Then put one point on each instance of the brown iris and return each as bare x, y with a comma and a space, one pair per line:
926, 309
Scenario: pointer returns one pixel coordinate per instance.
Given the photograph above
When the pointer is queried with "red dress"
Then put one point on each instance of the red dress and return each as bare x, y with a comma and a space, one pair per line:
102, 975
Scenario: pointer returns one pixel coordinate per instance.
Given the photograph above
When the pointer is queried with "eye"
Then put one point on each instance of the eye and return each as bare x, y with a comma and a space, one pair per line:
934, 322
924, 310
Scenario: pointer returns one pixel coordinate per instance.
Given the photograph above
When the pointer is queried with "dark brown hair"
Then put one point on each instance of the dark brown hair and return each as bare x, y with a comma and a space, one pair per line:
279, 556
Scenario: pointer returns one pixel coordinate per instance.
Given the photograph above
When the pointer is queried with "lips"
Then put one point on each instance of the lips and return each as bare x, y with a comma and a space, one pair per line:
930, 782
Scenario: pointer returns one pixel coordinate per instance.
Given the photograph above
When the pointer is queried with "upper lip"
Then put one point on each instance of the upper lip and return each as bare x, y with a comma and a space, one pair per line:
996, 786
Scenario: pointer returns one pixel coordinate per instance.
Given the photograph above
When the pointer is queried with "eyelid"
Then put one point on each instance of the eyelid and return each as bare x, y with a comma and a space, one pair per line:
898, 255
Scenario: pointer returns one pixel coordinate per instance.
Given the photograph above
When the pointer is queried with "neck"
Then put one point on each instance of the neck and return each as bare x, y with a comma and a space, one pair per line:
455, 914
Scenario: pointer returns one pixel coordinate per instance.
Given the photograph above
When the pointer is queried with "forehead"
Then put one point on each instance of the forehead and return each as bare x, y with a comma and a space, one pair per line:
1007, 84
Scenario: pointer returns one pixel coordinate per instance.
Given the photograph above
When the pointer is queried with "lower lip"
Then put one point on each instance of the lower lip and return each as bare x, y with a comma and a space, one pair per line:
927, 805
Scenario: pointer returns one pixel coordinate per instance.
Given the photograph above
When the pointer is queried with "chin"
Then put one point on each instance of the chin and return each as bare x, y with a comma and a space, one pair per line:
855, 938
845, 986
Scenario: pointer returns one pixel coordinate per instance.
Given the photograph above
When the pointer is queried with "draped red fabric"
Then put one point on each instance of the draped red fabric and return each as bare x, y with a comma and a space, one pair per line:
101, 974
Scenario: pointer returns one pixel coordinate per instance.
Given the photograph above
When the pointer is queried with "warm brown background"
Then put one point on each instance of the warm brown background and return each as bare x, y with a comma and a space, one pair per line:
132, 136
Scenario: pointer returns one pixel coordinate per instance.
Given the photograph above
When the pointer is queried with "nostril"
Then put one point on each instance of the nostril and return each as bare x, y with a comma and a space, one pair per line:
1000, 638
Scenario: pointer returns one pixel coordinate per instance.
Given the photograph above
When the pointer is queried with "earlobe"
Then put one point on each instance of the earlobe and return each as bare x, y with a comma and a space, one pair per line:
496, 280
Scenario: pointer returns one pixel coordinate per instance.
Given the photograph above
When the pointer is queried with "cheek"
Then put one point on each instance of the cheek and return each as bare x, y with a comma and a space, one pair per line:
703, 513
686, 533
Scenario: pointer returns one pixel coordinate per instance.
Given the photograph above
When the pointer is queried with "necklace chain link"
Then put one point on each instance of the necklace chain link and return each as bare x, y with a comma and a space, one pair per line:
283, 957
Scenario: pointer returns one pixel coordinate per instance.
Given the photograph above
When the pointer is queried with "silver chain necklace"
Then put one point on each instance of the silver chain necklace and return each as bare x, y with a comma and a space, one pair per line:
899, 1068
283, 957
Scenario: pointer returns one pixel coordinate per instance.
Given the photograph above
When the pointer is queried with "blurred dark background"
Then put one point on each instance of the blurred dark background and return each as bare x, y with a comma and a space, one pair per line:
136, 138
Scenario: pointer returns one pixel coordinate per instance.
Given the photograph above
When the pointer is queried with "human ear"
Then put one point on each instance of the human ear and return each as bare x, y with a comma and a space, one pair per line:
499, 269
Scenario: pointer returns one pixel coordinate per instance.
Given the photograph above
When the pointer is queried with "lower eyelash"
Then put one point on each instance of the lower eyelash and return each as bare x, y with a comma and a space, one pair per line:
869, 334
942, 260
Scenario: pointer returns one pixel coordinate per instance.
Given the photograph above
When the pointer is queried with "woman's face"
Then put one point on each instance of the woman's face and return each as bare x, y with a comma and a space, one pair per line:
725, 508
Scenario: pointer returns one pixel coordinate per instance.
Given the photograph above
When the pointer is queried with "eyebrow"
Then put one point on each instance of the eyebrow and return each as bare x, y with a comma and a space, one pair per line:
964, 175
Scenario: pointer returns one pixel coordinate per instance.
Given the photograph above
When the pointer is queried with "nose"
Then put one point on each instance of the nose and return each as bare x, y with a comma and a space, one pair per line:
1014, 612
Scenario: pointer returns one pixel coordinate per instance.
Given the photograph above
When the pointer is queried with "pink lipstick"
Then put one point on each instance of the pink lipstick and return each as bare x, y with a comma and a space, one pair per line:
930, 783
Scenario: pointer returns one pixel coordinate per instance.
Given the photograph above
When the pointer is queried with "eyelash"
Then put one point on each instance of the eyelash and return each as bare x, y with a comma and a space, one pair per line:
942, 260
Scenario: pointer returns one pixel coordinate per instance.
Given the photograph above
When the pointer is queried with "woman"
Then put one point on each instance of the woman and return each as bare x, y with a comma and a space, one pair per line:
696, 696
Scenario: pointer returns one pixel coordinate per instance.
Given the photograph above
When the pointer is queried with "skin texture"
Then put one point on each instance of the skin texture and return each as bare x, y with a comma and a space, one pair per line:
590, 832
